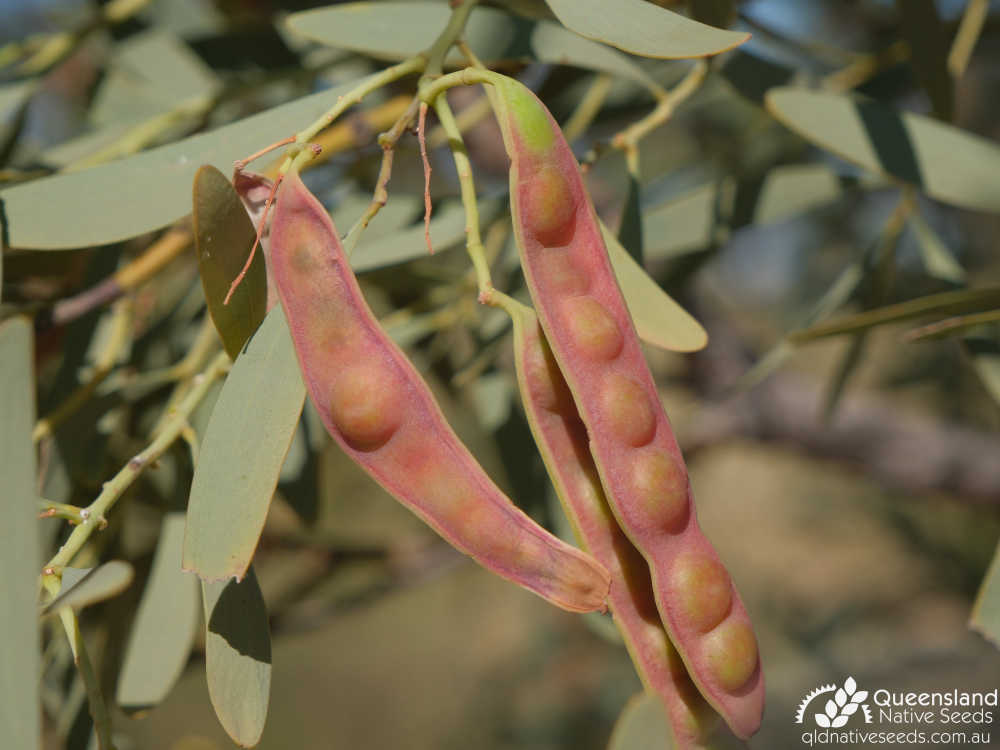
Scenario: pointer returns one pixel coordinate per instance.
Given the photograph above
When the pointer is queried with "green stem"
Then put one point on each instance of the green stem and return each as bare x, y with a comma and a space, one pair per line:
95, 699
372, 83
439, 50
430, 90
474, 241
114, 488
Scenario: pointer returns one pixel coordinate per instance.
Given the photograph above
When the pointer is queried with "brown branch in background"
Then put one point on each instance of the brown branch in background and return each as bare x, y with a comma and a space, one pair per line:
902, 450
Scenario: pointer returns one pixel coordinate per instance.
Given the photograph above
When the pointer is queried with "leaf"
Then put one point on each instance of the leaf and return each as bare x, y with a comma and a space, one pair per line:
644, 29
945, 162
839, 292
20, 552
238, 656
248, 436
929, 41
151, 73
986, 362
131, 196
946, 303
793, 189
397, 30
642, 725
224, 235
447, 230
850, 686
838, 722
938, 260
553, 43
165, 625
823, 721
679, 226
753, 75
658, 319
82, 587
840, 697
831, 709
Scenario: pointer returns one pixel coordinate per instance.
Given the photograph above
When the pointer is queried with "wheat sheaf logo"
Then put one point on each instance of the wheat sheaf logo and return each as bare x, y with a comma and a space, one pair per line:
840, 708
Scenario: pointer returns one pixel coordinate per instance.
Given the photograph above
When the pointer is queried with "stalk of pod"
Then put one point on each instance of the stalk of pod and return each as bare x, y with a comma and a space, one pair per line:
378, 409
590, 331
562, 441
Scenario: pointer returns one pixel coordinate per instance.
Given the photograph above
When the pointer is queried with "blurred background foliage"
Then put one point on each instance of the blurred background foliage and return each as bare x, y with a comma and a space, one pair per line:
840, 426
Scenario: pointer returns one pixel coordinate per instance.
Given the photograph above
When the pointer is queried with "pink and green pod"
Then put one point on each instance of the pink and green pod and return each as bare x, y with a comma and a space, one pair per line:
589, 328
562, 442
379, 410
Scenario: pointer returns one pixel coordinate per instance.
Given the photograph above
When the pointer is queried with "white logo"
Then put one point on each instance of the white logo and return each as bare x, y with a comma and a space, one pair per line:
841, 707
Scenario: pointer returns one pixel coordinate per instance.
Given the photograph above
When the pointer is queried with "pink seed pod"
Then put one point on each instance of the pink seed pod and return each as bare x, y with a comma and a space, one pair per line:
588, 326
378, 409
563, 444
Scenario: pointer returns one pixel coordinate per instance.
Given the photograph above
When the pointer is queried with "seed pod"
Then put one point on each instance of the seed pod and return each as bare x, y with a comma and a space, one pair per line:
376, 406
562, 441
589, 328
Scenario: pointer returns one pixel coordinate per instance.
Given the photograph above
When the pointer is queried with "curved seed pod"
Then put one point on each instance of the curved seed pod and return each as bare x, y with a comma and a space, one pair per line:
588, 326
562, 441
376, 406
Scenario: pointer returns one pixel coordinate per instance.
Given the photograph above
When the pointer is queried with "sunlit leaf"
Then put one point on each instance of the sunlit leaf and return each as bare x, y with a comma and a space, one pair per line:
125, 198
658, 319
946, 303
164, 627
20, 553
642, 725
985, 355
945, 162
985, 616
644, 29
938, 260
248, 436
149, 74
224, 235
238, 656
82, 587
397, 30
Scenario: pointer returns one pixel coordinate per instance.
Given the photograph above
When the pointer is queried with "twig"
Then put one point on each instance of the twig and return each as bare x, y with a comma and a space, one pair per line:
588, 107
372, 83
421, 125
967, 35
169, 246
114, 488
380, 197
120, 334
